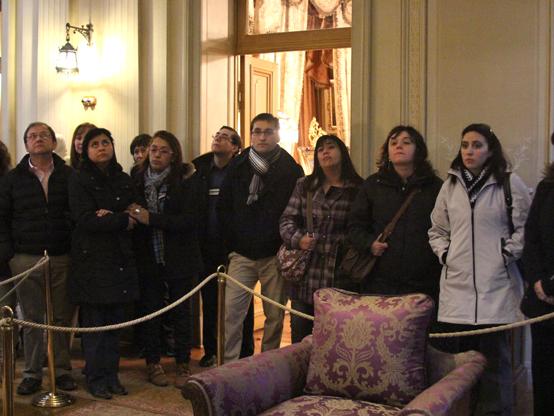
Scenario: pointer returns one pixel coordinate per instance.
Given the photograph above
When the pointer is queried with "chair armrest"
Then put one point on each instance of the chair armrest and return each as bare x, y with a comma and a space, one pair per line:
251, 385
444, 396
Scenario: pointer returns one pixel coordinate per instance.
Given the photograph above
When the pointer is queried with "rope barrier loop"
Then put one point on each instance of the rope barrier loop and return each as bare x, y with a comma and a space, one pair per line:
221, 273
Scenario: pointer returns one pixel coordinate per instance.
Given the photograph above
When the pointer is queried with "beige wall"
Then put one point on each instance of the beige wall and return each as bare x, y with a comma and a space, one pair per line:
442, 64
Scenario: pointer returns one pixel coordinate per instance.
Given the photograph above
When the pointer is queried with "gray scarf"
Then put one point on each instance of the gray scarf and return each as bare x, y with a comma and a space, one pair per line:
260, 164
155, 191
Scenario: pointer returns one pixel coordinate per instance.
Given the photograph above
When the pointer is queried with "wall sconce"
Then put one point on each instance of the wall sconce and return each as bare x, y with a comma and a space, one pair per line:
67, 56
89, 101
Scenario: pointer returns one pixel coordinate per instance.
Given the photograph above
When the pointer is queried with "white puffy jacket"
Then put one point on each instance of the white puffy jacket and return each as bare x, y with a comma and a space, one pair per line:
479, 284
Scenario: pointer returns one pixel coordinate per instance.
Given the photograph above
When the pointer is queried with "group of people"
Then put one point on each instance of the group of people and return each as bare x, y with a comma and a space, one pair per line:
115, 238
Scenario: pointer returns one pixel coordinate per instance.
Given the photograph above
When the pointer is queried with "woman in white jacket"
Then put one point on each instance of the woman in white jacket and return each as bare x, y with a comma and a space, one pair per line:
471, 235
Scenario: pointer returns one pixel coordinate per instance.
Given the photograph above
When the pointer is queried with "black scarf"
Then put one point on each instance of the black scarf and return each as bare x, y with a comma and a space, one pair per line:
474, 183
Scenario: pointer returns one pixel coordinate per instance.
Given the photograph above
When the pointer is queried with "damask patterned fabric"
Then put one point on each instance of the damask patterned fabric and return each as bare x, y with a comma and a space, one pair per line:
329, 406
369, 347
254, 384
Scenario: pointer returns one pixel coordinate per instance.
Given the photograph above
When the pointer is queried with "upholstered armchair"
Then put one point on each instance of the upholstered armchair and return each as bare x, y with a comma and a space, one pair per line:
369, 362
272, 383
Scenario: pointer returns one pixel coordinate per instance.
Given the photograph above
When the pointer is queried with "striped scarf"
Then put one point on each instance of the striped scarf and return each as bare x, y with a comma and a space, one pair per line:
260, 164
474, 183
155, 191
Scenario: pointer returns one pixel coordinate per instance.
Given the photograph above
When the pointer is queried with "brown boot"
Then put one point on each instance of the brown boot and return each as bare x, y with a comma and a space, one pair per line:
182, 374
156, 375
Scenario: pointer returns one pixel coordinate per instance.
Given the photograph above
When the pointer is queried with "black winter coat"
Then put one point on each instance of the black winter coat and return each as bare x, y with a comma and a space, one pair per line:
29, 223
179, 223
103, 269
215, 253
253, 230
408, 265
538, 252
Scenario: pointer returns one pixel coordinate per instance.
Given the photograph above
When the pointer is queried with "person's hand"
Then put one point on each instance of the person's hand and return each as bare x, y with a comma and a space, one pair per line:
101, 212
541, 295
140, 215
378, 248
306, 242
131, 224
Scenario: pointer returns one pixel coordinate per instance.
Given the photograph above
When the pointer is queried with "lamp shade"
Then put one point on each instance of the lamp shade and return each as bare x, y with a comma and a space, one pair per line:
67, 59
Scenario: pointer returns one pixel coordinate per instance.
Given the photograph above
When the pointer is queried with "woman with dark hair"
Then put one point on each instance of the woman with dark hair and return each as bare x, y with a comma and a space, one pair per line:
538, 261
167, 249
405, 262
77, 143
103, 276
473, 239
333, 185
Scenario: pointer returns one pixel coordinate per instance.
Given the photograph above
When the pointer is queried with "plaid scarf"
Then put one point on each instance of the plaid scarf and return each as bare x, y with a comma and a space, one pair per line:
155, 192
474, 183
260, 164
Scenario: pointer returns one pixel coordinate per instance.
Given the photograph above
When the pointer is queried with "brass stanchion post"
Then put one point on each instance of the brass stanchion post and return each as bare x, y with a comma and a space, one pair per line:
8, 361
220, 315
51, 398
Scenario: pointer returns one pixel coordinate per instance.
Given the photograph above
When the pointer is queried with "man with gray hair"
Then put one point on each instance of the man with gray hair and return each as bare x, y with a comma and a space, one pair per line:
34, 217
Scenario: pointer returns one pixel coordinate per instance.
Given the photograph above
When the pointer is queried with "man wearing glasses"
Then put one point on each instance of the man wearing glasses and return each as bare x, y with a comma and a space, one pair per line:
254, 193
34, 216
211, 169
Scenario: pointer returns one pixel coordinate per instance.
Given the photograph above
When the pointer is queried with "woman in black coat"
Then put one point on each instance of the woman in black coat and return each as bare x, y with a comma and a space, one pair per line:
406, 263
167, 248
538, 261
103, 276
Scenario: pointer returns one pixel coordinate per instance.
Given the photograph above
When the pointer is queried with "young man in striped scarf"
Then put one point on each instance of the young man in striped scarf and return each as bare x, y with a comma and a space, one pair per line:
254, 193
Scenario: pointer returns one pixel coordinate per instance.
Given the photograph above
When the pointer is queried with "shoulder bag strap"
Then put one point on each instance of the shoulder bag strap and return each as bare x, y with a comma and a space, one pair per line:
508, 197
391, 225
309, 212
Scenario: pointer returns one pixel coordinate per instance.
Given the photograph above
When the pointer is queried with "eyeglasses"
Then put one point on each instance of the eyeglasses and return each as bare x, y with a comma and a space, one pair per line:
42, 135
221, 136
266, 132
162, 151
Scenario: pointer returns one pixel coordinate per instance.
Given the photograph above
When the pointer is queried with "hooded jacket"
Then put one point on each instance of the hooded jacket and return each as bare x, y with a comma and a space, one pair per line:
103, 269
480, 282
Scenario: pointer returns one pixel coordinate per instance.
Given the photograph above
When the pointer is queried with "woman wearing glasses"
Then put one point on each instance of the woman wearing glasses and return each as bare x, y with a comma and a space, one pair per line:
103, 278
167, 249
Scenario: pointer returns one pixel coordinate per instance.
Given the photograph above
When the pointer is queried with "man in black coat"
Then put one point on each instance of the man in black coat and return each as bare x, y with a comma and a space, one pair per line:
254, 193
34, 217
211, 169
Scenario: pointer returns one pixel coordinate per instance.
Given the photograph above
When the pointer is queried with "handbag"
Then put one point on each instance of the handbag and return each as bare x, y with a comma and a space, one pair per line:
357, 265
292, 262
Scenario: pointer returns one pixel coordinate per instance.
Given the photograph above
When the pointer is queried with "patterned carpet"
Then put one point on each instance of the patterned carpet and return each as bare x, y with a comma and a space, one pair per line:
144, 399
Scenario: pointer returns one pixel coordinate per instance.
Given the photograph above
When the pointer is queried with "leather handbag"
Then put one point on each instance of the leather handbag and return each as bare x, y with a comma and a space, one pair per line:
357, 265
291, 262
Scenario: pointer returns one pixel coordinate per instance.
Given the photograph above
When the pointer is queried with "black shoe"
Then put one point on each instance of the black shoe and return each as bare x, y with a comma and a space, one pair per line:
66, 382
117, 388
100, 392
207, 361
29, 386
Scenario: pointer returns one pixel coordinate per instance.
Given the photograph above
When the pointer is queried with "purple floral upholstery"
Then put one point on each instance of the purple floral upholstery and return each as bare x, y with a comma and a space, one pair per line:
251, 385
272, 383
329, 406
369, 347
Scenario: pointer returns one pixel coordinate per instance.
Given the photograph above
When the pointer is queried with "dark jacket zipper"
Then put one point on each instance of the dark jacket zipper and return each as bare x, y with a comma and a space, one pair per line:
473, 262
